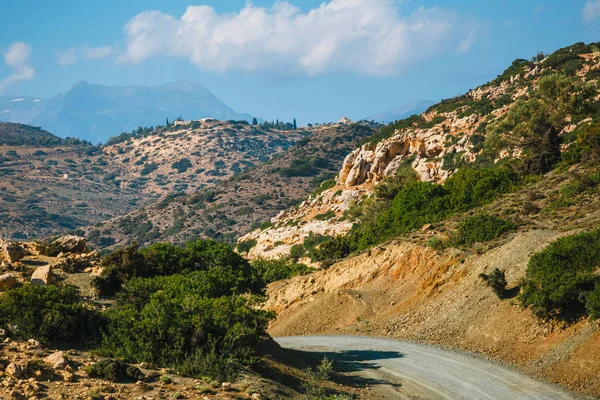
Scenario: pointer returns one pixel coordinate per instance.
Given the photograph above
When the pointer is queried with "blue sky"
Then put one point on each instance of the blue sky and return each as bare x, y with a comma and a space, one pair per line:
312, 60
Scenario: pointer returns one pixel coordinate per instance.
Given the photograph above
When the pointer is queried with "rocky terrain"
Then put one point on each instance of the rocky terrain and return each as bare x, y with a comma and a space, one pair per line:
227, 208
62, 186
444, 138
405, 289
30, 369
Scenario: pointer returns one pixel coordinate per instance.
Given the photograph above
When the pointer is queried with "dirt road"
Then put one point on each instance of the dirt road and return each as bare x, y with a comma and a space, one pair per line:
405, 370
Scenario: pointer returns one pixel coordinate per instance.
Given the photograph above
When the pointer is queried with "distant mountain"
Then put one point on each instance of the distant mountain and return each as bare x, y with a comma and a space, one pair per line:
415, 107
96, 112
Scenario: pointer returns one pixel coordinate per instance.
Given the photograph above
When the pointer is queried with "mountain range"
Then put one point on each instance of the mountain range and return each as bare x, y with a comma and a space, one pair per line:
96, 112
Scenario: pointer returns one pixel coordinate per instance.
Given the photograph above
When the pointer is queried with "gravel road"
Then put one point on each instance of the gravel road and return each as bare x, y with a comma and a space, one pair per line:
405, 370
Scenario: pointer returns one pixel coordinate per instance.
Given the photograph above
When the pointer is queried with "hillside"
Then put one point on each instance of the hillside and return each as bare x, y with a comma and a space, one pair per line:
46, 190
95, 112
478, 129
26, 135
227, 208
475, 226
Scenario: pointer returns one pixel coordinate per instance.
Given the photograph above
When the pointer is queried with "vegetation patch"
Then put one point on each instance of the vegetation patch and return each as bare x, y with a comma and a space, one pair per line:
562, 279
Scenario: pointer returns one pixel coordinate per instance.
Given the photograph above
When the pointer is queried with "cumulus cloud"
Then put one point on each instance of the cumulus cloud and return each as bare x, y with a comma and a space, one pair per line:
364, 36
591, 10
92, 53
66, 57
16, 57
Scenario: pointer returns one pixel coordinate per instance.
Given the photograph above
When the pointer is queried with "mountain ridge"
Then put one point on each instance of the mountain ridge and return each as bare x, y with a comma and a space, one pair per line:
96, 112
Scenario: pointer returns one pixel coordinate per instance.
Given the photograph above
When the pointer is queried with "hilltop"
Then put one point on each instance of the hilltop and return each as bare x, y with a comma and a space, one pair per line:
227, 208
47, 190
95, 112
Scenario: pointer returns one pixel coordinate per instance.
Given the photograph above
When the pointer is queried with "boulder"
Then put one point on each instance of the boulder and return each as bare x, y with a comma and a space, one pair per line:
42, 276
7, 281
12, 251
14, 370
57, 360
68, 244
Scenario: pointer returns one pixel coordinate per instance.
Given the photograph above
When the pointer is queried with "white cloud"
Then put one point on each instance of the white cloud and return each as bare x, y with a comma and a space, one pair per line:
66, 57
591, 10
17, 100
364, 36
17, 58
92, 53
4, 112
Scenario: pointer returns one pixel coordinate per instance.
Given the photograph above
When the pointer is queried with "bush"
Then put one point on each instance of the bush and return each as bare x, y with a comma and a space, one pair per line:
417, 204
182, 165
328, 184
481, 228
592, 303
114, 371
49, 314
560, 279
164, 259
267, 271
497, 281
179, 327
148, 168
244, 246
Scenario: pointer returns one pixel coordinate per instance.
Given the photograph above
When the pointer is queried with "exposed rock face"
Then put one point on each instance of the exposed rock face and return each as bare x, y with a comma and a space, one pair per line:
12, 251
42, 276
69, 244
7, 281
372, 165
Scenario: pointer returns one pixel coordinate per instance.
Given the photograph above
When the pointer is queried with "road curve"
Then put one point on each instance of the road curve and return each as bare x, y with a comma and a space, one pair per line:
405, 370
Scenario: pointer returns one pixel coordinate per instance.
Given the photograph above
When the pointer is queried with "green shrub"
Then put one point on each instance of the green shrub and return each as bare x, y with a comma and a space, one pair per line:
244, 246
592, 303
164, 259
49, 314
561, 277
328, 184
182, 165
481, 228
497, 281
325, 216
179, 327
114, 370
435, 243
148, 168
267, 271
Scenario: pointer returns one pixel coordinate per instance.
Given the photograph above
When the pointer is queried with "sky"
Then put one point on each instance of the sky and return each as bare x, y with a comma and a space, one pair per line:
312, 60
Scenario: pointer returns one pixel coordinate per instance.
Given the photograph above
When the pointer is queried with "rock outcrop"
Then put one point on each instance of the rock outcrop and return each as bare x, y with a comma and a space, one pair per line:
12, 251
68, 244
7, 281
42, 276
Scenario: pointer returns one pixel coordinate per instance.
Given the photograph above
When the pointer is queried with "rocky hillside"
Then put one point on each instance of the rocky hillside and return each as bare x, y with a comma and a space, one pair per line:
407, 289
46, 189
225, 209
476, 129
